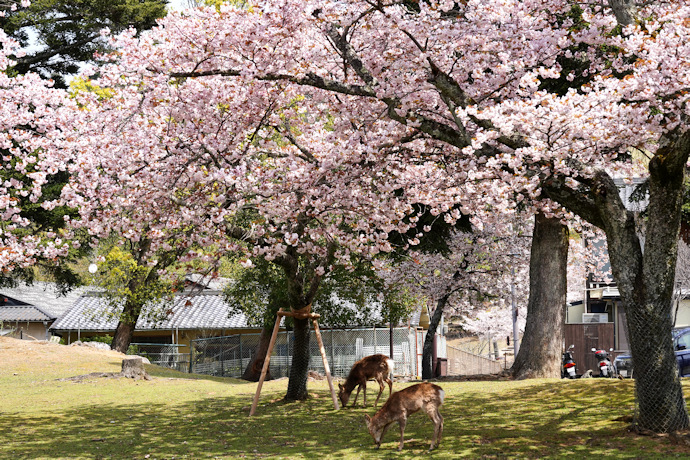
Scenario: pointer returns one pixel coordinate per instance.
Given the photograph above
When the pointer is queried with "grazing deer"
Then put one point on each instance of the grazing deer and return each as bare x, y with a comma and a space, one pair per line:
402, 404
377, 367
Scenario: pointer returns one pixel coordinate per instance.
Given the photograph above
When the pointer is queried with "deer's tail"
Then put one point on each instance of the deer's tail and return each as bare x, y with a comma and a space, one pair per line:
391, 367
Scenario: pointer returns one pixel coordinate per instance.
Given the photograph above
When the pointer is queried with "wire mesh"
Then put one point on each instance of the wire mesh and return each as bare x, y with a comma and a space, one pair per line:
162, 354
228, 356
659, 403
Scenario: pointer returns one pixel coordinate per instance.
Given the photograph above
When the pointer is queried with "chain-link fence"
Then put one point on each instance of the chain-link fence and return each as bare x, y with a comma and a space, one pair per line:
229, 356
162, 354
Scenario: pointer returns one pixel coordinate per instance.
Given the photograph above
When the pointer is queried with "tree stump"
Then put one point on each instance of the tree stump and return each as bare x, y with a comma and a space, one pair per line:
133, 367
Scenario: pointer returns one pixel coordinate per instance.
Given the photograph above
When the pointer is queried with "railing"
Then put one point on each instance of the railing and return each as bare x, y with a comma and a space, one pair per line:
461, 362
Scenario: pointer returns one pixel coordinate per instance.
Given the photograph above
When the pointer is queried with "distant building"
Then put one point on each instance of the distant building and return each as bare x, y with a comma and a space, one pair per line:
28, 311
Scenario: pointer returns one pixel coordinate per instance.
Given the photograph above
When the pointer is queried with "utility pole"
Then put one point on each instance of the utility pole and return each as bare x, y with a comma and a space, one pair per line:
516, 345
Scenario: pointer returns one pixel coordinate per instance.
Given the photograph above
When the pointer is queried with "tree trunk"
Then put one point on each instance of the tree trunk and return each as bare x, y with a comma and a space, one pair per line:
541, 348
648, 293
253, 370
301, 292
297, 384
125, 327
645, 279
133, 368
428, 347
132, 309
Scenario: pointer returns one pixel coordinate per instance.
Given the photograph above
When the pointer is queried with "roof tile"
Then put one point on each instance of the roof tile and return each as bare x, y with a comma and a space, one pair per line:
202, 310
12, 313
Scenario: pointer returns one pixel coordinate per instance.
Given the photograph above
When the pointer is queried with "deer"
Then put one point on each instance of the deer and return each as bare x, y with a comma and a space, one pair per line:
376, 367
401, 404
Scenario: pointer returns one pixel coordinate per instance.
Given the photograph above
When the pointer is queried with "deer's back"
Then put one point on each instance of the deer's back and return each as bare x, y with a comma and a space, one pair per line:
368, 367
416, 397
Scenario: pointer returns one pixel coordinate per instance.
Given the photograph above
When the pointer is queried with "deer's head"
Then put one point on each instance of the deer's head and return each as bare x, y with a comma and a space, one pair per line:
343, 395
375, 431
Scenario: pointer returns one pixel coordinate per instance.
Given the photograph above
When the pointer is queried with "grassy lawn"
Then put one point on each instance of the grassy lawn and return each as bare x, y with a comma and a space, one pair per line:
181, 416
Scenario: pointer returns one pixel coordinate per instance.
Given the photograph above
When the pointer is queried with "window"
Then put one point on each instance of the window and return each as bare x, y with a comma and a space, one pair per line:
683, 342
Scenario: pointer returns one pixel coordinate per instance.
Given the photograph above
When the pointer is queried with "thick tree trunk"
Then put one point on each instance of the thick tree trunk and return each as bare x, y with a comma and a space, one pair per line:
428, 348
659, 394
645, 279
125, 328
540, 351
646, 287
297, 384
253, 370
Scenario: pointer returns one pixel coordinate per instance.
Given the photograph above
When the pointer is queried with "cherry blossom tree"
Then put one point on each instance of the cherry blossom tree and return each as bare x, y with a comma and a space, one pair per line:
471, 276
248, 169
53, 38
332, 106
33, 151
59, 35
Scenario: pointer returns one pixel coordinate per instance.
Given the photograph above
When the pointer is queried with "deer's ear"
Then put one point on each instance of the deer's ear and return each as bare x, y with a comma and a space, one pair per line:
340, 385
367, 419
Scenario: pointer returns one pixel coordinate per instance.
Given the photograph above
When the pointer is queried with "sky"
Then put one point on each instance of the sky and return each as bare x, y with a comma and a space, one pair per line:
177, 4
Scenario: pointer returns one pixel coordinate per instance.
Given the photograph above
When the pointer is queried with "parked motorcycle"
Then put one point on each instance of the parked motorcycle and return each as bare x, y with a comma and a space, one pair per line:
605, 365
568, 364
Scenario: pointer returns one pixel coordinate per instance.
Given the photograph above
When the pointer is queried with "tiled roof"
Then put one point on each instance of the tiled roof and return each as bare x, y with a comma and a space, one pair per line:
203, 310
12, 313
206, 282
43, 295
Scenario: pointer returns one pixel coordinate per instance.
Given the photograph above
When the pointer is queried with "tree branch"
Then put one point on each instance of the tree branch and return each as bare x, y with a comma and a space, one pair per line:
310, 79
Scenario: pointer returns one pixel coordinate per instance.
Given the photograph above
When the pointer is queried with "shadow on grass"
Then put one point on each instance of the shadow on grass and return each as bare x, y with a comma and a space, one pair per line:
164, 372
551, 419
217, 427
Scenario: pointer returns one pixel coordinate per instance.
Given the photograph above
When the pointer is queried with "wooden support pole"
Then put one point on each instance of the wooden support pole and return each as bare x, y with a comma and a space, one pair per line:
300, 314
264, 370
325, 363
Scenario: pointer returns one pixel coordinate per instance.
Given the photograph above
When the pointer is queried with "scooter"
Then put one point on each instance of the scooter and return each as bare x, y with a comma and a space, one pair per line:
568, 364
605, 365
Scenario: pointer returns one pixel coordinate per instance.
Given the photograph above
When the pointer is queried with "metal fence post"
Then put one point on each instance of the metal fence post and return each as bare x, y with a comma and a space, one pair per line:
191, 356
222, 356
375, 346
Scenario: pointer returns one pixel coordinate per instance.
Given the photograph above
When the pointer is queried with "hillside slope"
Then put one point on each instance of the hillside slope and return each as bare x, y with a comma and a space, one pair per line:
24, 357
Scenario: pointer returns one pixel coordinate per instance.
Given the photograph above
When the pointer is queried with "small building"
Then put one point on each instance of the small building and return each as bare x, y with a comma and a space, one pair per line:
28, 310
23, 321
187, 317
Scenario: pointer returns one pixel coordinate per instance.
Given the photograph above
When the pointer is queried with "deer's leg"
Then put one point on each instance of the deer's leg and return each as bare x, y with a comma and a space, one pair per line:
364, 389
381, 387
390, 386
385, 428
437, 418
402, 422
359, 387
383, 433
440, 430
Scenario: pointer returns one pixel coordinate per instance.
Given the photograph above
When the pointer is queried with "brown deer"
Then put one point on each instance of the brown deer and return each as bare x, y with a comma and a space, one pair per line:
376, 367
402, 404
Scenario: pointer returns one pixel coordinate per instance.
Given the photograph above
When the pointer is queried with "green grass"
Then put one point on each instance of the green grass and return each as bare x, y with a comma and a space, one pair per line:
180, 416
